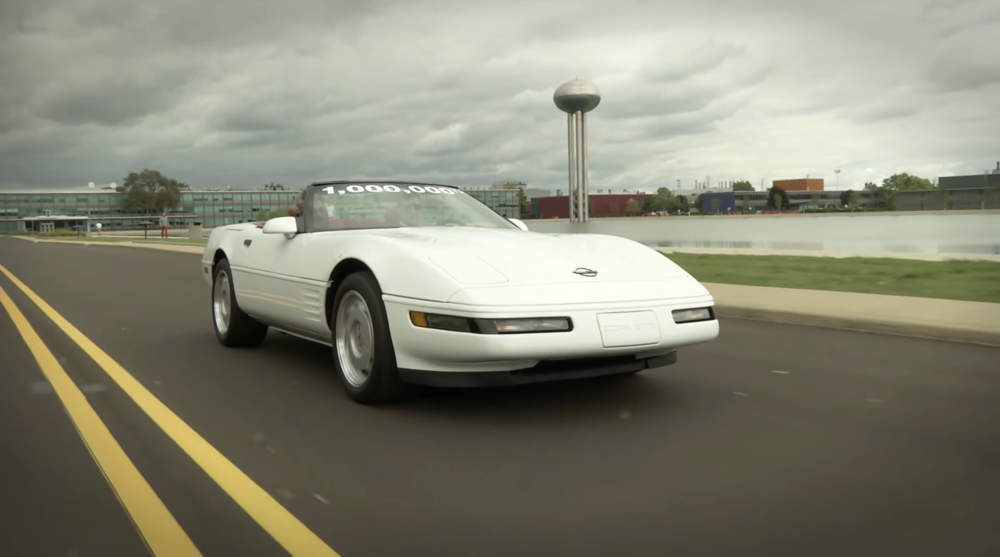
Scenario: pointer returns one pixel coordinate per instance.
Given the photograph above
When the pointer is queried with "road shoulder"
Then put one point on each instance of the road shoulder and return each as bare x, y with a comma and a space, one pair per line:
973, 322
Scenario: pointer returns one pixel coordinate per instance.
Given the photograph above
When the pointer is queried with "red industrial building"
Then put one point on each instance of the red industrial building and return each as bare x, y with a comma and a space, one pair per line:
601, 205
799, 184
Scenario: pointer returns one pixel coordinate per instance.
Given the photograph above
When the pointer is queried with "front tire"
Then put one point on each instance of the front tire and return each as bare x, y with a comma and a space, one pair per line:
233, 328
362, 344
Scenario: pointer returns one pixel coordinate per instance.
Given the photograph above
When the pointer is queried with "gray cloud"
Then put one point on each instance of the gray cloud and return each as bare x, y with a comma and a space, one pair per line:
245, 93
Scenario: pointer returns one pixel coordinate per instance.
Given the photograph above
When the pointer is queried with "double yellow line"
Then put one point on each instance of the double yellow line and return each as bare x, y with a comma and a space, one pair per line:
157, 526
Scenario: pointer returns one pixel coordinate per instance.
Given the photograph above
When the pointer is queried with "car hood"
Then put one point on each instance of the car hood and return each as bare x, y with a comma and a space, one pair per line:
486, 256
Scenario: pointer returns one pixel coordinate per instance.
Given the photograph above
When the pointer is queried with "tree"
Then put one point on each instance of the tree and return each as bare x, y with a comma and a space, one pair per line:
883, 195
993, 196
662, 200
988, 197
682, 202
715, 202
746, 204
742, 185
631, 206
852, 199
849, 198
699, 201
149, 191
942, 197
613, 208
906, 182
778, 198
522, 200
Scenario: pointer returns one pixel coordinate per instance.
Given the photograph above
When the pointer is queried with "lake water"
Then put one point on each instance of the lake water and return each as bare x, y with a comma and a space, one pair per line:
977, 233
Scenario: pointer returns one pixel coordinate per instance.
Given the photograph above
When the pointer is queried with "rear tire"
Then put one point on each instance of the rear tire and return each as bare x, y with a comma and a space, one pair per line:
233, 328
362, 344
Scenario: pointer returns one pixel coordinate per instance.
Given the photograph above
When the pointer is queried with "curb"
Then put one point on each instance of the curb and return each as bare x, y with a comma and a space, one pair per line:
154, 242
85, 242
158, 246
869, 325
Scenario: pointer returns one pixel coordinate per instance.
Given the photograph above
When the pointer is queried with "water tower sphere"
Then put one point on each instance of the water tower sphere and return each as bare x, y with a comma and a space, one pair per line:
577, 95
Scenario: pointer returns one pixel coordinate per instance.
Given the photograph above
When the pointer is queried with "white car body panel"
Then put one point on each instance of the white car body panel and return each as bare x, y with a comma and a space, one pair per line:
472, 272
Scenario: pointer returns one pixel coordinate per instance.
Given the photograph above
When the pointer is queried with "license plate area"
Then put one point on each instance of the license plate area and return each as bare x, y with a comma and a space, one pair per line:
628, 328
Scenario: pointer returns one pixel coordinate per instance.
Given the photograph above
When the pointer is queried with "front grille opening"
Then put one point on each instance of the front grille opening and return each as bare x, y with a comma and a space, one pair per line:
625, 362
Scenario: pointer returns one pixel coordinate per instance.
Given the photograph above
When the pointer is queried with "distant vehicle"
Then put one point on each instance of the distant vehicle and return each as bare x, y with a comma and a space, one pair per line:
422, 284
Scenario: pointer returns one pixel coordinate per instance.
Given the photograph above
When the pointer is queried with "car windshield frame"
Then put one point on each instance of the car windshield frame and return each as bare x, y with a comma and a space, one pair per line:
380, 205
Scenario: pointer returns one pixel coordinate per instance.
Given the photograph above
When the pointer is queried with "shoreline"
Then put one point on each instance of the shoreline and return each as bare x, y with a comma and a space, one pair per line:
918, 256
929, 212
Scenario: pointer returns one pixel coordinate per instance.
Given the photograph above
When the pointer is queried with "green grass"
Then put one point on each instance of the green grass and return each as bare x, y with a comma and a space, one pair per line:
975, 281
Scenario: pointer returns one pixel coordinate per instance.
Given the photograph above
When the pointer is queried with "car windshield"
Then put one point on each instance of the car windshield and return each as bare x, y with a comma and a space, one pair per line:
361, 206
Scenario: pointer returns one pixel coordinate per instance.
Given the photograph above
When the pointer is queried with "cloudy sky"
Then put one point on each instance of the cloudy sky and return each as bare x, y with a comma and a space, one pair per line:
246, 92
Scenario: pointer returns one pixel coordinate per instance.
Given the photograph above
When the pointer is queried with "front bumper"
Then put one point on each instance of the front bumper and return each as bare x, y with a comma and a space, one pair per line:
434, 350
544, 371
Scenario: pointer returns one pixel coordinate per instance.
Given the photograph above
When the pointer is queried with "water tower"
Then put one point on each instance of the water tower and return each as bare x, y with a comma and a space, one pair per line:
576, 98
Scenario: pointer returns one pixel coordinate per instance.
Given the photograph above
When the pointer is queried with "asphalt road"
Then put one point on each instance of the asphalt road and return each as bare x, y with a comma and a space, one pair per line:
773, 440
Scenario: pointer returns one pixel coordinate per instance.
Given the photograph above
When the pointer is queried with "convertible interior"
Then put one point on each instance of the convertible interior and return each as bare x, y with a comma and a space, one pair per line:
344, 224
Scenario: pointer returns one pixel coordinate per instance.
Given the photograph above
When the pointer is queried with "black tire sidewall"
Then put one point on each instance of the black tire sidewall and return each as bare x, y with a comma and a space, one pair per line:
383, 374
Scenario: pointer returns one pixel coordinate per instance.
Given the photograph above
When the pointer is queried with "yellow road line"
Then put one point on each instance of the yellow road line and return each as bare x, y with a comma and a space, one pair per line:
287, 530
158, 528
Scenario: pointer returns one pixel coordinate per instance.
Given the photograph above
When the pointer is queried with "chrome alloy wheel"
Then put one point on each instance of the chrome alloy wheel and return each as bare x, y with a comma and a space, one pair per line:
355, 339
221, 300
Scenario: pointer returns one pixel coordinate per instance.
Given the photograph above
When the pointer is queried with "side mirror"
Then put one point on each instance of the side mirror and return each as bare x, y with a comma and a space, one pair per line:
519, 224
282, 225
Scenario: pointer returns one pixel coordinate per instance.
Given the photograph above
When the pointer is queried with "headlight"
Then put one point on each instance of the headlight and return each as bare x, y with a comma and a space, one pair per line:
541, 325
490, 326
693, 315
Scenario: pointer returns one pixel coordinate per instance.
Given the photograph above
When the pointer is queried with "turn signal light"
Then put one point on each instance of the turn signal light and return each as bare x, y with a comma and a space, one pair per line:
443, 322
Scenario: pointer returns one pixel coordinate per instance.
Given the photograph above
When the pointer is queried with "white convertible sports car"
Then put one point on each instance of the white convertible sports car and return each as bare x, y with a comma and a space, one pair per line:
421, 284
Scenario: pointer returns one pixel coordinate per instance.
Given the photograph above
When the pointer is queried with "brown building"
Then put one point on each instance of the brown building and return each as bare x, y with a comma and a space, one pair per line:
601, 205
799, 184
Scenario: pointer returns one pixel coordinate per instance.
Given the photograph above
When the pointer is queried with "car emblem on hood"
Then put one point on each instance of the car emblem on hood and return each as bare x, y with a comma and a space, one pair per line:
584, 272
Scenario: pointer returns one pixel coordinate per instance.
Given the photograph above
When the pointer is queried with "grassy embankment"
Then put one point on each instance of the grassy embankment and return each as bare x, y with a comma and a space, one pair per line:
975, 281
